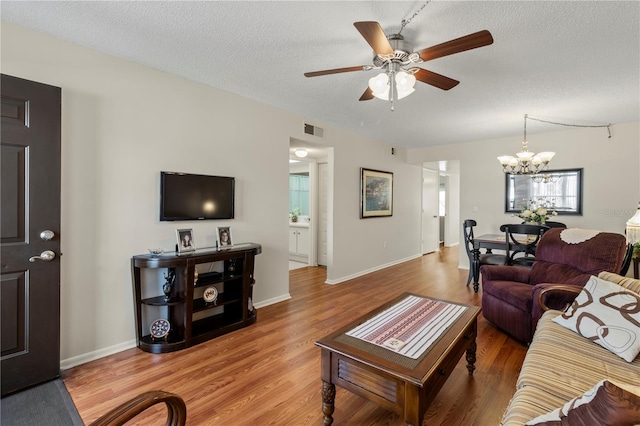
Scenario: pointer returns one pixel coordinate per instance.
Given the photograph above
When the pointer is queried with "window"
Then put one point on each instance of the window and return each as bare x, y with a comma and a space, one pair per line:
560, 188
299, 193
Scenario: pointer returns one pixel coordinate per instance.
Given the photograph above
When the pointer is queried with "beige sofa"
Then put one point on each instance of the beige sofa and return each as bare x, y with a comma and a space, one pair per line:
561, 365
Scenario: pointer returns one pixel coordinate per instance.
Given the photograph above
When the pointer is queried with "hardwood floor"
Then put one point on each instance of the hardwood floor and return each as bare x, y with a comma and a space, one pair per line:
269, 373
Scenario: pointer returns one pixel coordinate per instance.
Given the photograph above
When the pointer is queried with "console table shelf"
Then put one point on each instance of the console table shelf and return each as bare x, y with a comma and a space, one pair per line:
159, 301
191, 319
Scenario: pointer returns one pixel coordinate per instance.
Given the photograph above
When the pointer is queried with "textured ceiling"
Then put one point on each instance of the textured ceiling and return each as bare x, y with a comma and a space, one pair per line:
566, 61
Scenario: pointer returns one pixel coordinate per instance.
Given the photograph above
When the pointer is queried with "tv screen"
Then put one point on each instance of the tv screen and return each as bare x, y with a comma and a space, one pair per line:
185, 196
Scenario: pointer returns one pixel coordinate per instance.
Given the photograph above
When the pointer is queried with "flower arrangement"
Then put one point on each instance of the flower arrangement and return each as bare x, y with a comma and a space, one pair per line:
537, 212
295, 213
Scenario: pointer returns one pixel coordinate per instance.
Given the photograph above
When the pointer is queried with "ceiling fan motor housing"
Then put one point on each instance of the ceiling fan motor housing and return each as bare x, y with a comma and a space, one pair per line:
401, 51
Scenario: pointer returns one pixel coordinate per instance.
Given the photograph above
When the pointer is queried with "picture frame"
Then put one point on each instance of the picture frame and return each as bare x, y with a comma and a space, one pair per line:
185, 240
376, 193
562, 188
223, 236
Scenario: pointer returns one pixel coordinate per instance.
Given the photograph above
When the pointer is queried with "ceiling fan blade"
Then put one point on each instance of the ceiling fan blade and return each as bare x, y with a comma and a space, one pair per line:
335, 71
468, 42
373, 34
367, 95
435, 79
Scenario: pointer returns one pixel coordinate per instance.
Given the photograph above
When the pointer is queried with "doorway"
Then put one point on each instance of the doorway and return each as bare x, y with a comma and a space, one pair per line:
316, 160
430, 221
299, 214
440, 204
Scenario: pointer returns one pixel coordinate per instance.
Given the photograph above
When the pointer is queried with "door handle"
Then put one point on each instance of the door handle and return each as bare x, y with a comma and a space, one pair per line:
46, 255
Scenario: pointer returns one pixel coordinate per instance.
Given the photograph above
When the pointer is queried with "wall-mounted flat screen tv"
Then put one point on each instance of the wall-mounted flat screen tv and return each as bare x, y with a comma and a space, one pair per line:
185, 196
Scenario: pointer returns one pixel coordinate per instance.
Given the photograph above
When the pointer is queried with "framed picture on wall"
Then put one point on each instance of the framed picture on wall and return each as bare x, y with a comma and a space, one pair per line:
223, 236
185, 240
376, 193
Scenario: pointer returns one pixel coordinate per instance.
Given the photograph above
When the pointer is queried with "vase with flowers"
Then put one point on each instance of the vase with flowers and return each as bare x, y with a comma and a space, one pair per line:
537, 212
294, 214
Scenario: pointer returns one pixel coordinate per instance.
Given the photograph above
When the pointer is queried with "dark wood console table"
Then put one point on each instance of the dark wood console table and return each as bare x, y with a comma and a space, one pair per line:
226, 272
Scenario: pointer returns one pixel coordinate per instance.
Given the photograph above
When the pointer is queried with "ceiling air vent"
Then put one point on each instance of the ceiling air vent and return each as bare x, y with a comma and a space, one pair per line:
313, 130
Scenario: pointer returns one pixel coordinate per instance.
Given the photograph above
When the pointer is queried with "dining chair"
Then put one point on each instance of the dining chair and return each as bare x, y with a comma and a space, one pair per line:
487, 258
628, 255
521, 243
555, 224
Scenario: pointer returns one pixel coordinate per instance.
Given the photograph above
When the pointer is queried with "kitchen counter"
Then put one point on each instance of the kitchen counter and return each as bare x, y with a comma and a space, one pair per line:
299, 224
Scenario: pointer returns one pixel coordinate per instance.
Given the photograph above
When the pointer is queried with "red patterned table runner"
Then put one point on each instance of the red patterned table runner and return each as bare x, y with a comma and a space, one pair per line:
410, 326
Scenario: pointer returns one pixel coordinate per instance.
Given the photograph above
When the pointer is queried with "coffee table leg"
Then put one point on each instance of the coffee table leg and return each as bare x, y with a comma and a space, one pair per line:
471, 357
328, 397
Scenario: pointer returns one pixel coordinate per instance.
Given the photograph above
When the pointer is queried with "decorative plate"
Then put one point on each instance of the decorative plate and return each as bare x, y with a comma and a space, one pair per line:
160, 328
210, 294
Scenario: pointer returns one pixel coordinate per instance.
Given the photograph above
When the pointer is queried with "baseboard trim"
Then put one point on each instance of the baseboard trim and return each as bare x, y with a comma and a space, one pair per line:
272, 301
368, 271
68, 363
65, 364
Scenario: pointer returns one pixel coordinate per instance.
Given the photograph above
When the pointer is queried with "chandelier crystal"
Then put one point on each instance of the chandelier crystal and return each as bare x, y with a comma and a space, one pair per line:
526, 162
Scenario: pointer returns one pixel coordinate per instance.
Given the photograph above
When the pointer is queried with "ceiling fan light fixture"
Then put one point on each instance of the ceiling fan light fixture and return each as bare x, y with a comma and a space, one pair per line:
404, 84
405, 81
379, 86
383, 95
301, 153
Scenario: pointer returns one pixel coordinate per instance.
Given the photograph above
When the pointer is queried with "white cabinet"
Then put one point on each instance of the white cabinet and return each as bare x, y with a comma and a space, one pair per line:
299, 241
303, 241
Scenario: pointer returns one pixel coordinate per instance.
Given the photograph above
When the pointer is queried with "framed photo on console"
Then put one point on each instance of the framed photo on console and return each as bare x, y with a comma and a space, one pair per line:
223, 236
376, 193
185, 240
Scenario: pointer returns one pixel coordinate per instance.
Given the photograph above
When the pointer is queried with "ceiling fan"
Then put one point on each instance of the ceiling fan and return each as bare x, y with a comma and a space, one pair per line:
395, 57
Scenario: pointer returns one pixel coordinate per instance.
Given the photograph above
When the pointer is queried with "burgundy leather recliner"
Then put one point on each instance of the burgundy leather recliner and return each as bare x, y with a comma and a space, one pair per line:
510, 293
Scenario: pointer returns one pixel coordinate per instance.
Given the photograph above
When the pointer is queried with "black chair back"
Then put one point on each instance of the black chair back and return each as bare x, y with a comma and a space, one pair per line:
467, 228
628, 255
555, 224
521, 242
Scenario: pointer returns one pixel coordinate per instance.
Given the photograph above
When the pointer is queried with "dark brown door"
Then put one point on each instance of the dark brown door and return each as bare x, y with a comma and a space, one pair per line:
30, 273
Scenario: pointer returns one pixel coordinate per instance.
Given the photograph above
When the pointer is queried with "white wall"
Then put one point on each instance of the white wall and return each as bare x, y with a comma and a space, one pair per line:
453, 206
123, 123
359, 243
611, 175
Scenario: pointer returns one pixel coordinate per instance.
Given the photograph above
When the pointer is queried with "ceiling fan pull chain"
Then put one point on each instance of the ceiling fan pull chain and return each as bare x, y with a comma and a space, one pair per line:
392, 92
405, 22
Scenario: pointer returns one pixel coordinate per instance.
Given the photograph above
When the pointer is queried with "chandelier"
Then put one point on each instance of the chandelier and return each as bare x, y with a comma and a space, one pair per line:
526, 162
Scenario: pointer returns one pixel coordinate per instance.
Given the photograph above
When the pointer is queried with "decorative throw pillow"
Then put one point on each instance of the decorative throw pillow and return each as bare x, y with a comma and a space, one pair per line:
606, 404
608, 315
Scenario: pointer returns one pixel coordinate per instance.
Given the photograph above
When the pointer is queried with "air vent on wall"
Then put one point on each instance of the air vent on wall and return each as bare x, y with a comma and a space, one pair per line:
313, 130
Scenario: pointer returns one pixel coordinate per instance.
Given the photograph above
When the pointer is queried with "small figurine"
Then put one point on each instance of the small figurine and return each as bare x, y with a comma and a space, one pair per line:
167, 288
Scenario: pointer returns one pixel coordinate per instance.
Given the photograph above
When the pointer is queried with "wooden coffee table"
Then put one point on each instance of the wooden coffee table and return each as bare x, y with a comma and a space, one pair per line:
398, 383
